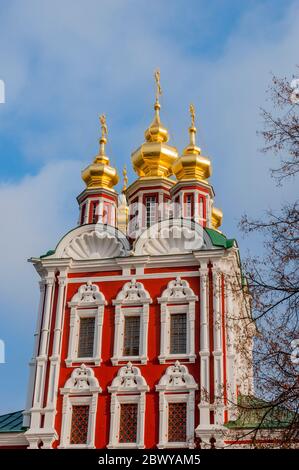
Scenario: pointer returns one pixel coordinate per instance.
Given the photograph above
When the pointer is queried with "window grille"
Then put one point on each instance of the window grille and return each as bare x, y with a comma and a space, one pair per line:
94, 213
177, 422
188, 205
79, 429
83, 212
128, 422
131, 336
86, 337
178, 333
150, 211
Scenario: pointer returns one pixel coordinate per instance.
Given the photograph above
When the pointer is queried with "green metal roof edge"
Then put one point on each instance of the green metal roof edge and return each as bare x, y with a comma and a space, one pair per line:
219, 239
278, 418
14, 419
49, 253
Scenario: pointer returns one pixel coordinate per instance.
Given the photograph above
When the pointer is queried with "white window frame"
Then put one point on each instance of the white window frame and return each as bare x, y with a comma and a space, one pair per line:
82, 388
176, 386
127, 387
87, 302
177, 298
132, 300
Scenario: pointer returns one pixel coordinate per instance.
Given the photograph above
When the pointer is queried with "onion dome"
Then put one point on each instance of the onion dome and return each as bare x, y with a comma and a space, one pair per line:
154, 158
192, 165
100, 174
216, 219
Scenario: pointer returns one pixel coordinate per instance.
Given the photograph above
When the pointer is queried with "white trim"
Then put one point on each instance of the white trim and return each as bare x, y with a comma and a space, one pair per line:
82, 388
87, 302
175, 381
204, 408
133, 299
170, 274
177, 298
127, 387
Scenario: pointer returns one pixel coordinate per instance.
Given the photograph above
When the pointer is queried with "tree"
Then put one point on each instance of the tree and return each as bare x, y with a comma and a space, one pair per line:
273, 280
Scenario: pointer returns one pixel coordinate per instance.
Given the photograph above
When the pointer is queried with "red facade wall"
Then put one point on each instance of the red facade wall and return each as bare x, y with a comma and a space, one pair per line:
152, 371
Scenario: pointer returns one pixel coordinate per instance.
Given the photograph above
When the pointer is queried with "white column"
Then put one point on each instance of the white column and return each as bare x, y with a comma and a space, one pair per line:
32, 363
118, 338
163, 333
204, 408
71, 348
56, 351
144, 333
86, 216
41, 359
140, 442
162, 421
231, 378
217, 352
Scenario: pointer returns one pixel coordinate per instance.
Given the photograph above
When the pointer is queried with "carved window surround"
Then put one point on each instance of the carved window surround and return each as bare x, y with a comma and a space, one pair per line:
177, 298
87, 302
176, 386
132, 300
127, 387
82, 388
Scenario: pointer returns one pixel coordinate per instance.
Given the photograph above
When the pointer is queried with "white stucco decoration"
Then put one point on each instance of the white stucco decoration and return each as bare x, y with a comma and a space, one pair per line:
96, 241
171, 237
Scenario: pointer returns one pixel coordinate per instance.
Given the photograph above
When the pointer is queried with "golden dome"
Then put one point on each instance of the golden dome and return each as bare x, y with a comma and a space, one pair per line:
154, 158
192, 165
100, 174
217, 216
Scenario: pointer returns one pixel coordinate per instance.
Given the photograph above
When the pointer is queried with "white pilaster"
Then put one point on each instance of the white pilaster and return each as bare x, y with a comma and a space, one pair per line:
41, 362
217, 352
56, 351
32, 363
204, 408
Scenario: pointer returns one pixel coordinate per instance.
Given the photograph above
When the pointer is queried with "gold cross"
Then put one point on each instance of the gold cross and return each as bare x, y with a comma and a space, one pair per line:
192, 114
104, 127
159, 90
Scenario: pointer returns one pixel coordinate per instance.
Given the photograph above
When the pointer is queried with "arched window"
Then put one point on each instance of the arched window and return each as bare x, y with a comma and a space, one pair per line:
80, 397
176, 403
127, 411
177, 321
131, 323
86, 322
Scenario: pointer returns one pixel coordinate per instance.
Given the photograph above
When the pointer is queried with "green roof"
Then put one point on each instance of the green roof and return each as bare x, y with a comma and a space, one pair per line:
218, 239
12, 422
49, 253
257, 413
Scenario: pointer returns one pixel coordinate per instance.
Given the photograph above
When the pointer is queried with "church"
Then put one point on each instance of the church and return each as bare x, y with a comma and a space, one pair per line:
144, 334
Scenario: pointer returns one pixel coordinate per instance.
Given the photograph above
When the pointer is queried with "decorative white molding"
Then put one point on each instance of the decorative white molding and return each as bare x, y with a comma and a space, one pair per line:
178, 297
132, 300
49, 422
81, 380
95, 245
33, 433
171, 237
87, 302
127, 387
82, 388
204, 405
92, 241
176, 386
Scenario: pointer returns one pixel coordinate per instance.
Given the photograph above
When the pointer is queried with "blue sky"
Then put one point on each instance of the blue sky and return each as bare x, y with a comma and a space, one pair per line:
64, 63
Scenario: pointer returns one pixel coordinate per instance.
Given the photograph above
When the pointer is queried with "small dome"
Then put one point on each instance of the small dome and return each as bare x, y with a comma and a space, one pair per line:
192, 165
154, 158
100, 174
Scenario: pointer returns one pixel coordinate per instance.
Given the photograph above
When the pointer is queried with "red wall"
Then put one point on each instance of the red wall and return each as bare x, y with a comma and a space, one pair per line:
152, 371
